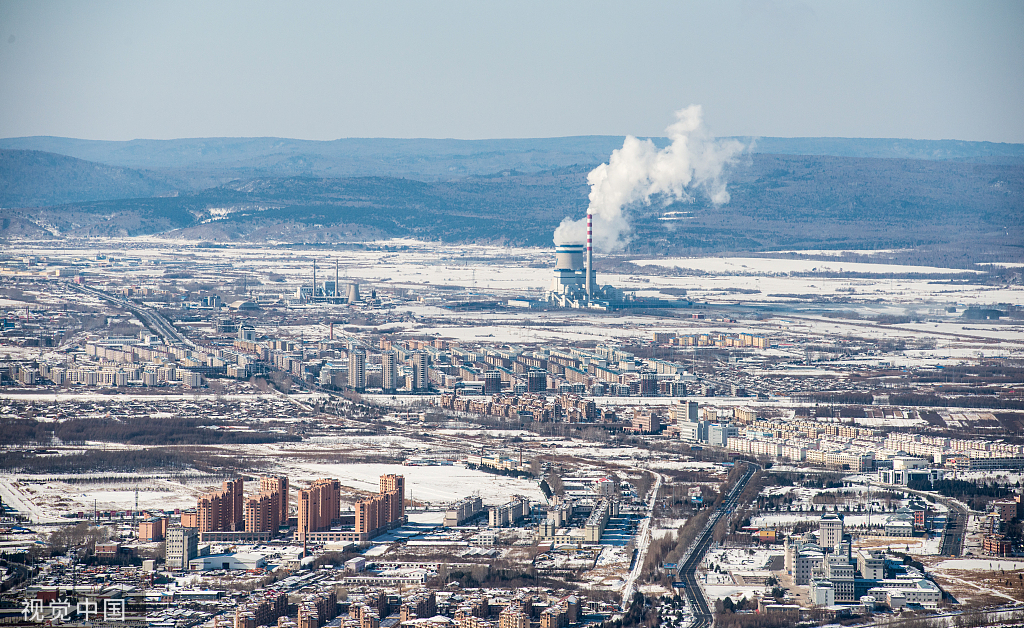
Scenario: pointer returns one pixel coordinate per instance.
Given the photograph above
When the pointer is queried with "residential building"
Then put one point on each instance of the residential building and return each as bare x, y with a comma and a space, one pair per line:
181, 547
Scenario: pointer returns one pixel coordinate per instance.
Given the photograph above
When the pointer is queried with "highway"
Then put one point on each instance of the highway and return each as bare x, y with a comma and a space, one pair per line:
704, 615
149, 317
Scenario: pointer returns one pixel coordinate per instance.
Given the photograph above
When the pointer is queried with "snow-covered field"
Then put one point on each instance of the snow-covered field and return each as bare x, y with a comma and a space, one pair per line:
751, 265
47, 501
720, 583
435, 485
991, 564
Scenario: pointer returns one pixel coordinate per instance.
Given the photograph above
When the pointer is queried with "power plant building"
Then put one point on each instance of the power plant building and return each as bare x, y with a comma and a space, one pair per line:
570, 286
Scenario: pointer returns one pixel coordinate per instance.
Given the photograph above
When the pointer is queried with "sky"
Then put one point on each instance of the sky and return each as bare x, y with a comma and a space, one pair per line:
480, 69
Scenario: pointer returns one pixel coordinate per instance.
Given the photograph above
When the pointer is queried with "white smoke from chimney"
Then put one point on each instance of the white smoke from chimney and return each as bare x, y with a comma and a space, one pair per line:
639, 171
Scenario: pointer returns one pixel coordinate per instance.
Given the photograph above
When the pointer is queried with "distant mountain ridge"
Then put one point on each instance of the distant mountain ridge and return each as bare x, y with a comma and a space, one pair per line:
446, 159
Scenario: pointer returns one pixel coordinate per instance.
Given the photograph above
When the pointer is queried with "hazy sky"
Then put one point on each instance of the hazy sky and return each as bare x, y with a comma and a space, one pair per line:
325, 70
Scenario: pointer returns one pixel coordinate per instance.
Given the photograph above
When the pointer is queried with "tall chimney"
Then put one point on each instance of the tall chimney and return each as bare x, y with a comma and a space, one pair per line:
336, 281
314, 282
590, 256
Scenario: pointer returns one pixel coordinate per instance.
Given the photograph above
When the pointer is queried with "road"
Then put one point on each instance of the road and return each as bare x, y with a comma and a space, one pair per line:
955, 532
704, 615
643, 542
149, 317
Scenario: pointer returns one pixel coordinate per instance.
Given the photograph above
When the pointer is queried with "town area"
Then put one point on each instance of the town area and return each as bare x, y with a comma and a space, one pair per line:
398, 433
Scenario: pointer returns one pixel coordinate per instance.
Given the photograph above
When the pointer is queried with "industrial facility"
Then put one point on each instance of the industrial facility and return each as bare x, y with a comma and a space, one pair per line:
574, 283
334, 292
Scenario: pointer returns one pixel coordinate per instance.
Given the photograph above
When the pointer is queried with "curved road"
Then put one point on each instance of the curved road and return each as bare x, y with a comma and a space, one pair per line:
704, 615
149, 317
953, 535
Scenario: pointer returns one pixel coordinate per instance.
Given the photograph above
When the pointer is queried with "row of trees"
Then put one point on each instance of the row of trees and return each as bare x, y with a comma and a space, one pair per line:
131, 430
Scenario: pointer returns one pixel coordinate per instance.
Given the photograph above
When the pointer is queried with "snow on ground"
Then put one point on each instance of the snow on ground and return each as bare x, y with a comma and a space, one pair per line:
735, 591
783, 520
665, 527
980, 564
427, 484
917, 546
17, 496
498, 273
741, 559
45, 498
749, 265
719, 584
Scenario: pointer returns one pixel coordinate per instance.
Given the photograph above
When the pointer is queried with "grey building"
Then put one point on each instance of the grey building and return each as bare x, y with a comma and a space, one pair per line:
181, 546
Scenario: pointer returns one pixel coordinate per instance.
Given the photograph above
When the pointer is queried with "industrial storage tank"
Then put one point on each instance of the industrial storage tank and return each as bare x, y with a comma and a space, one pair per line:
570, 272
569, 257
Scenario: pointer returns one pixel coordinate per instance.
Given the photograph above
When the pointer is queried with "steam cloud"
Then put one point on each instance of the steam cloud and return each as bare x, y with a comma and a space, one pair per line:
639, 171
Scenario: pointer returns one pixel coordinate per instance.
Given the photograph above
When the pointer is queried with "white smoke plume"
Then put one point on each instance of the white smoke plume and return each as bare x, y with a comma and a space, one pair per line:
638, 171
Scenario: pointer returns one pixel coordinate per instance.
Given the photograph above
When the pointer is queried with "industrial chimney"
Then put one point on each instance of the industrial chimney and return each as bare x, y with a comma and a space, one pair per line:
590, 256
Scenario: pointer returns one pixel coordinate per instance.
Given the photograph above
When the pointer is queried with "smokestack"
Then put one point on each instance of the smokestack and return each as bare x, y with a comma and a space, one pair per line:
336, 281
590, 255
314, 282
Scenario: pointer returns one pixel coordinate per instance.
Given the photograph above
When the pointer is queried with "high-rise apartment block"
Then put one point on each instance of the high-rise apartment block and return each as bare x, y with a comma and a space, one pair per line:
222, 510
389, 376
263, 513
279, 485
393, 486
420, 379
373, 515
152, 529
357, 369
319, 505
383, 510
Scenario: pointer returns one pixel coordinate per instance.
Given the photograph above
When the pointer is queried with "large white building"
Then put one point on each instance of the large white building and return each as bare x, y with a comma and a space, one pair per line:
913, 590
871, 564
227, 562
569, 281
830, 531
807, 560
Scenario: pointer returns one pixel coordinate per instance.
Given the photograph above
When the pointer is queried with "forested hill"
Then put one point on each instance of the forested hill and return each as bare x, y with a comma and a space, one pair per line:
31, 177
778, 201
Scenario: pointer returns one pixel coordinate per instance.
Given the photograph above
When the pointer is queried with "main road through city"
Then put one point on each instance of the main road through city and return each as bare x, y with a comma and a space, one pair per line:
149, 317
703, 613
